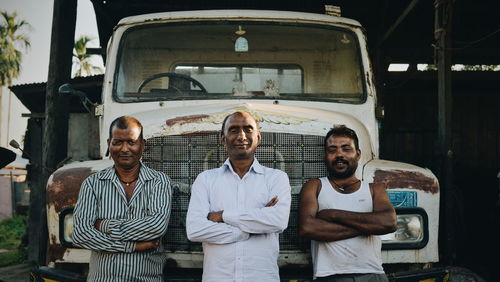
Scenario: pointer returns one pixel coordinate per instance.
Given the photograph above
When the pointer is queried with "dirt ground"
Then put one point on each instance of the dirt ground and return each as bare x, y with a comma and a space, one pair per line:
15, 273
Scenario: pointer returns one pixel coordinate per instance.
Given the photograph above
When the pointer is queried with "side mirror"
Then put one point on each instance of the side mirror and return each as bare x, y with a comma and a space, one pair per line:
16, 145
67, 89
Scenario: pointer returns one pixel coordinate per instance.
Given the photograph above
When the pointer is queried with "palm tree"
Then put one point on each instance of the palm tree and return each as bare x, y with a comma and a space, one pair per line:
12, 41
81, 60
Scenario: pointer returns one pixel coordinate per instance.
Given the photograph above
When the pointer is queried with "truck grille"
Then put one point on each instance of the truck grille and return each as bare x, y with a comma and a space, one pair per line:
183, 157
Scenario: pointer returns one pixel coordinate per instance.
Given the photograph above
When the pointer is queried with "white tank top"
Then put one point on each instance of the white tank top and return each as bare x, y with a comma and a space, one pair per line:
360, 254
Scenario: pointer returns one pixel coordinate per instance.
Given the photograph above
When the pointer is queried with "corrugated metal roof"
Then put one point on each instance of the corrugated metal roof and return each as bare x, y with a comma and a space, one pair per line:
32, 95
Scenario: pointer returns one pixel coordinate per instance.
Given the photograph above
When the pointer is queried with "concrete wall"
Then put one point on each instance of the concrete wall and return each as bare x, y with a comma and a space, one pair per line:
5, 198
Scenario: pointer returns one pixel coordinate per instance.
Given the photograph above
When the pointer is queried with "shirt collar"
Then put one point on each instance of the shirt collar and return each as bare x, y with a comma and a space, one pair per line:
109, 173
255, 167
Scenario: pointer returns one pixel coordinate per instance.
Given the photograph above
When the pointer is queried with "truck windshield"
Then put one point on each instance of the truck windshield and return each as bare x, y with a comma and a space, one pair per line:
238, 60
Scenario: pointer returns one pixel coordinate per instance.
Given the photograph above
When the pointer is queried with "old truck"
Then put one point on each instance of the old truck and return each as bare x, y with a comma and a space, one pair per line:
181, 73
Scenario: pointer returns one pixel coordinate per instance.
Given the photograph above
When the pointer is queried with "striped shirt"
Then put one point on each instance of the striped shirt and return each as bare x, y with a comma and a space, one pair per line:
142, 218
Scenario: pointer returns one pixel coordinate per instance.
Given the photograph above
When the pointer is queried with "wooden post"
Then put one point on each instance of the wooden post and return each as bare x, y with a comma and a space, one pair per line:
55, 136
442, 33
33, 145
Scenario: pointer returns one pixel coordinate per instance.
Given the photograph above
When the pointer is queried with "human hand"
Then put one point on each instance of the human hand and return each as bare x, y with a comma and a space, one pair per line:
272, 202
146, 245
97, 224
215, 216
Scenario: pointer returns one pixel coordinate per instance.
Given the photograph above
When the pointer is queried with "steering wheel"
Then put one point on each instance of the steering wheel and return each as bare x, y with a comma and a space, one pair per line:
173, 75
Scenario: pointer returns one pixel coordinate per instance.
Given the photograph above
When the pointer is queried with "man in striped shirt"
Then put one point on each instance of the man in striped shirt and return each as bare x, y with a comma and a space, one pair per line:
123, 211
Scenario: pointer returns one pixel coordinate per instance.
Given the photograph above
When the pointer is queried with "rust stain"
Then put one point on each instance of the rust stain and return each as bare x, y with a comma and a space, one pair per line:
200, 133
55, 251
53, 239
63, 191
406, 179
185, 119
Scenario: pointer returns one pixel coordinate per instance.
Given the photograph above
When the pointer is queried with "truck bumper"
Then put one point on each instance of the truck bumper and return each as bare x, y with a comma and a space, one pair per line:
422, 275
48, 274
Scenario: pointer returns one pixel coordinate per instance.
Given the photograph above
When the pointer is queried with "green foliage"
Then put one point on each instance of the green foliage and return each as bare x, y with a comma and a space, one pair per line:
12, 257
481, 68
11, 232
12, 228
81, 60
12, 42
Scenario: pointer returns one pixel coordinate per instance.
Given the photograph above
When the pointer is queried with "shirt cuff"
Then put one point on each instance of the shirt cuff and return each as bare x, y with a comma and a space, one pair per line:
240, 235
104, 226
231, 217
129, 247
111, 227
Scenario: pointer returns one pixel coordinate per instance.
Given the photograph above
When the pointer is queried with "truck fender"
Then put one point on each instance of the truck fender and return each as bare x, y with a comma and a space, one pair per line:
409, 187
63, 187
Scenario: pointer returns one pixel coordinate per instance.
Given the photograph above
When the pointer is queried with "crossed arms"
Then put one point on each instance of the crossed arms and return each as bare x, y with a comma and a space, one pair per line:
229, 226
121, 235
334, 225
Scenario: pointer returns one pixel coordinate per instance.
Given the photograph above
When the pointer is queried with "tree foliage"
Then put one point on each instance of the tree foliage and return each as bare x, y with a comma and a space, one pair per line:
13, 41
81, 60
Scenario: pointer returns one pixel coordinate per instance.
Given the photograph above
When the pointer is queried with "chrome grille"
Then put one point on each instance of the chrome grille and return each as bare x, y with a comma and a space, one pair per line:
183, 157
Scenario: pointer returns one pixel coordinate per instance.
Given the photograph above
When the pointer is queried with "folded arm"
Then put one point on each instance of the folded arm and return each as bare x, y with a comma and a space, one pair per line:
199, 228
150, 227
381, 221
311, 226
267, 219
85, 234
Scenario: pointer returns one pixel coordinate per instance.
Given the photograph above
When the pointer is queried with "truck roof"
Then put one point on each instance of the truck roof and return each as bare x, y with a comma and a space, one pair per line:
238, 15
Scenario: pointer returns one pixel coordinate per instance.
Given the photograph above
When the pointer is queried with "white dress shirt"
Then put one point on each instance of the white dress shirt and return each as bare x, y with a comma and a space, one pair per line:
245, 247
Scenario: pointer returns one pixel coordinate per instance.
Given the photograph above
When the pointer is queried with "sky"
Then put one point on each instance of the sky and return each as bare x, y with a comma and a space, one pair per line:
35, 63
38, 13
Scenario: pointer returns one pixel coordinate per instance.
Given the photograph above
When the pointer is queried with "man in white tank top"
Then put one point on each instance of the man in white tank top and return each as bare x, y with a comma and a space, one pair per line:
343, 215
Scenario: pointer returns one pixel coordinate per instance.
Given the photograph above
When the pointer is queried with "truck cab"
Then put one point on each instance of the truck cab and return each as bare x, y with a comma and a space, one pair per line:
299, 74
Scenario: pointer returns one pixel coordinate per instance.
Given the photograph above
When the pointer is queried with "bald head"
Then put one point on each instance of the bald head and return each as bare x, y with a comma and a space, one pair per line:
124, 122
240, 136
239, 114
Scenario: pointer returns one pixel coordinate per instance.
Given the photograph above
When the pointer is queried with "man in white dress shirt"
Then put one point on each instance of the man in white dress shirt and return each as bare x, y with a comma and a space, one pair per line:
239, 209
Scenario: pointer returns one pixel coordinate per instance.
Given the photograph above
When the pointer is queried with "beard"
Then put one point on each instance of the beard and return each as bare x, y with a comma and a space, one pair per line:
241, 154
343, 174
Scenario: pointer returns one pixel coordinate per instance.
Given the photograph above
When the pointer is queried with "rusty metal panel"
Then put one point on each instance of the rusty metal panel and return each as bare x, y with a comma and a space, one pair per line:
422, 189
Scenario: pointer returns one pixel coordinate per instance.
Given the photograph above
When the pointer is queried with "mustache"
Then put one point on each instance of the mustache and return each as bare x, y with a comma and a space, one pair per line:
241, 144
340, 161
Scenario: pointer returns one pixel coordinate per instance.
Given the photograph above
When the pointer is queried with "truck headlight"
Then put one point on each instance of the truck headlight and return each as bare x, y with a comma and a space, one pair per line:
66, 227
412, 232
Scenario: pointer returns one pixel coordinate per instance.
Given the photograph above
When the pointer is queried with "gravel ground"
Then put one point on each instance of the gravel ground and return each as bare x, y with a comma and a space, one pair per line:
15, 273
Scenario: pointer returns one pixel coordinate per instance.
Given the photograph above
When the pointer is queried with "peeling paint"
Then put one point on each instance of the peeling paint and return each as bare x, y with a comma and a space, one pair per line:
217, 118
203, 132
65, 185
406, 179
53, 239
55, 251
186, 119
